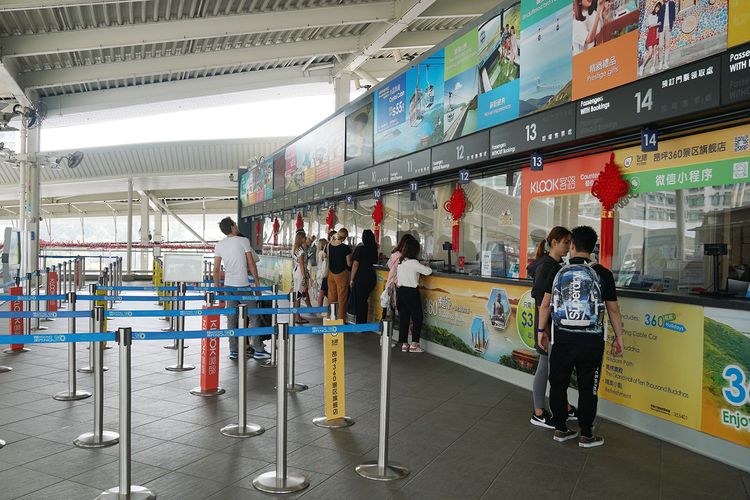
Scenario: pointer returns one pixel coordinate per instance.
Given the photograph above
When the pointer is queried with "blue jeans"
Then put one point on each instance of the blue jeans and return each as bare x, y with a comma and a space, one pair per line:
232, 323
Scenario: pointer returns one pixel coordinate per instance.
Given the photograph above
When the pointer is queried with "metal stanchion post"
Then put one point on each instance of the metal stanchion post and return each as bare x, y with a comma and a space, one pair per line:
130, 492
37, 326
72, 394
280, 481
242, 428
99, 438
169, 305
46, 291
380, 469
271, 363
291, 386
27, 291
64, 278
103, 282
180, 366
92, 329
323, 421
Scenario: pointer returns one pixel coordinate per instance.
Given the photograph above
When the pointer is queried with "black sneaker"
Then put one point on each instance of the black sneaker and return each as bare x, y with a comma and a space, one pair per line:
562, 436
590, 441
543, 420
572, 413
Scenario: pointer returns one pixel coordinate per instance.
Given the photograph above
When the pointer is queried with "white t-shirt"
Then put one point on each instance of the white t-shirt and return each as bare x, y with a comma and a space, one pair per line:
581, 30
408, 272
232, 250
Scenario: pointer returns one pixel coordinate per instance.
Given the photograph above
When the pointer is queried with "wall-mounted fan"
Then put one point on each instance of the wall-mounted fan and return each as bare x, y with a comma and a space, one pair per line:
71, 161
31, 116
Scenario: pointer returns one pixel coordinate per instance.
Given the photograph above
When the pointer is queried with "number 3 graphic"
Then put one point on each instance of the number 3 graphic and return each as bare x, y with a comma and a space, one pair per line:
736, 393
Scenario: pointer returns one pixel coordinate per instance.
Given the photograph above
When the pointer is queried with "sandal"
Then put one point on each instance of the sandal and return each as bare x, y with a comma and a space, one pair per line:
302, 321
405, 347
416, 348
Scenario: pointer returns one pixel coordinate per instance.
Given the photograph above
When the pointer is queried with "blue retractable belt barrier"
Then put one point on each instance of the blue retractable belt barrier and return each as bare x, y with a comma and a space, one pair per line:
27, 298
252, 297
230, 289
204, 334
321, 330
138, 288
51, 338
138, 298
45, 314
171, 313
287, 310
211, 281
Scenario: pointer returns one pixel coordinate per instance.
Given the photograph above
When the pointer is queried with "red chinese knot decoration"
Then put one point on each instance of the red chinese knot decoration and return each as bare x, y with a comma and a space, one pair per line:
609, 188
456, 206
377, 217
331, 219
300, 222
258, 234
276, 228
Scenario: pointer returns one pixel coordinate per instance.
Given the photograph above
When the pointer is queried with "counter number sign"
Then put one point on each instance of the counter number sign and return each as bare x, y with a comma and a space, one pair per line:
348, 199
649, 140
463, 176
537, 161
413, 188
376, 193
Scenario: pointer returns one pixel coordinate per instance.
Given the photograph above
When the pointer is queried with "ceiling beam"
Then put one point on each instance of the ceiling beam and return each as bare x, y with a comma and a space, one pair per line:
300, 83
193, 29
9, 80
187, 62
378, 35
7, 5
453, 9
418, 39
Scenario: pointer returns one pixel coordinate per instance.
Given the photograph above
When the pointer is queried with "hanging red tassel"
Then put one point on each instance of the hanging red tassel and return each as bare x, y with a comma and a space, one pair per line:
377, 217
300, 222
276, 228
258, 234
331, 219
456, 207
609, 187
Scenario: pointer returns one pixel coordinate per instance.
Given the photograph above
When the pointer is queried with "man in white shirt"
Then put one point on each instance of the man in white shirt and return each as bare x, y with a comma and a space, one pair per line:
239, 259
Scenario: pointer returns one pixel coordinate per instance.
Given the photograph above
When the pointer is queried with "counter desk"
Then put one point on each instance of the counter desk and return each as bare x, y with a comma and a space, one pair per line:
684, 376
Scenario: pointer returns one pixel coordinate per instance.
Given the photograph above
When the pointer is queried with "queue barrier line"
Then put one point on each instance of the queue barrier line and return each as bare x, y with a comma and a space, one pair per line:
52, 338
324, 330
126, 288
248, 298
44, 314
29, 298
138, 298
194, 288
169, 313
203, 334
287, 310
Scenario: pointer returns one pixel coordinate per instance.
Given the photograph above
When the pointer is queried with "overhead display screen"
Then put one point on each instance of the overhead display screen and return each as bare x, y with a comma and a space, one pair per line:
687, 90
408, 167
551, 127
359, 138
256, 183
461, 153
279, 167
317, 156
735, 75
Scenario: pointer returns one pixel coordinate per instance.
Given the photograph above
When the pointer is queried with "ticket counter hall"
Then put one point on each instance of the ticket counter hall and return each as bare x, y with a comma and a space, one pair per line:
409, 189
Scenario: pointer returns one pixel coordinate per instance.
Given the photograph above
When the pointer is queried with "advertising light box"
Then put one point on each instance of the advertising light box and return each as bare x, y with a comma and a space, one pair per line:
317, 156
359, 138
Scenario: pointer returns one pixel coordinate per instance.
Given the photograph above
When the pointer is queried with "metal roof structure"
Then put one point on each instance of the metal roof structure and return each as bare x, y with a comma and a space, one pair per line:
87, 54
107, 59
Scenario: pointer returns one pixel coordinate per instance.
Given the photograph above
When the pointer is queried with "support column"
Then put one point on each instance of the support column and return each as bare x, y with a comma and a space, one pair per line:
129, 260
158, 236
144, 230
33, 198
342, 89
23, 175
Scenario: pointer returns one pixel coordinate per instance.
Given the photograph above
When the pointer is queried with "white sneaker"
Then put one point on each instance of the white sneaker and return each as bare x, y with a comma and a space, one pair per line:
653, 68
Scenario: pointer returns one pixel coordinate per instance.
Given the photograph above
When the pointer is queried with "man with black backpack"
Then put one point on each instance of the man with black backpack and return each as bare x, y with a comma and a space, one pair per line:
576, 299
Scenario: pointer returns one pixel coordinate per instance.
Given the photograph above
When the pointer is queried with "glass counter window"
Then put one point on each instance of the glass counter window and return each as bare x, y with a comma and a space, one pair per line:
663, 249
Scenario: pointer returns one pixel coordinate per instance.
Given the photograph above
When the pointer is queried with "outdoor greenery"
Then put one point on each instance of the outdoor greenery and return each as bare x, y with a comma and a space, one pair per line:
722, 346
445, 338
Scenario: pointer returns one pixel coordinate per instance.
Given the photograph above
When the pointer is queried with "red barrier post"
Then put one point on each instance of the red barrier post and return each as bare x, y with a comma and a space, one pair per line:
16, 324
52, 285
209, 378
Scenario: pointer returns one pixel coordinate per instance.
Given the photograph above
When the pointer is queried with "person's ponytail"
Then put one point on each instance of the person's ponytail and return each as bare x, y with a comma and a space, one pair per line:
541, 249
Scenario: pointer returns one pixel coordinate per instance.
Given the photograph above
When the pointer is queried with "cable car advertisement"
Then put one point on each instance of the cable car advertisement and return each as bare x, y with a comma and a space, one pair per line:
409, 110
499, 67
461, 86
477, 318
546, 53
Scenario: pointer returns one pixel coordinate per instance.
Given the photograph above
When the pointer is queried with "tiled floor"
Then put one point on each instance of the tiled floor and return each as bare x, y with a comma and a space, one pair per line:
464, 435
